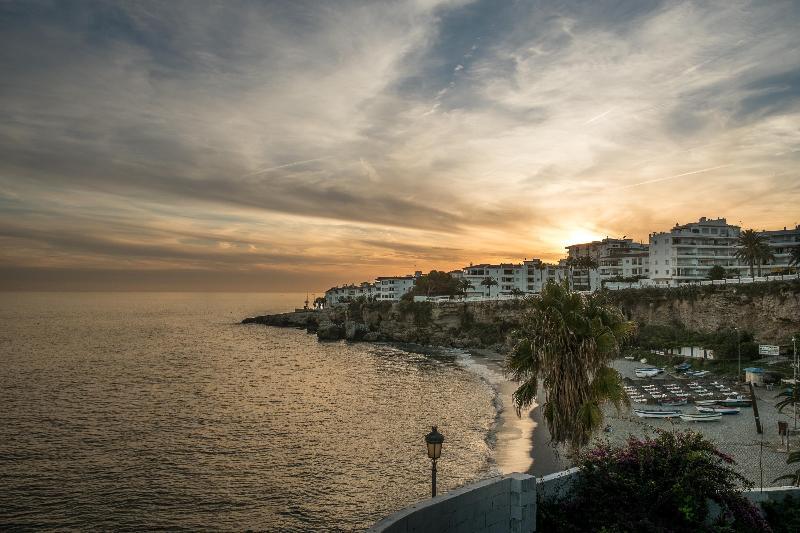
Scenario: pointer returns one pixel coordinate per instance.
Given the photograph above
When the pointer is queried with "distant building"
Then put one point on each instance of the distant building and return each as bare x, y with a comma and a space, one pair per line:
392, 288
616, 259
781, 242
528, 276
336, 295
687, 252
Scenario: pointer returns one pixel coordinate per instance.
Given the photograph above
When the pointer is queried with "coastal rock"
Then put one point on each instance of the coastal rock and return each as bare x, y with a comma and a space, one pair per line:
330, 332
354, 331
371, 336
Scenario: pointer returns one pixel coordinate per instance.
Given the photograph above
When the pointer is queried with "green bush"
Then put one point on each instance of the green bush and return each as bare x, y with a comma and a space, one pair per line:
783, 516
654, 484
421, 311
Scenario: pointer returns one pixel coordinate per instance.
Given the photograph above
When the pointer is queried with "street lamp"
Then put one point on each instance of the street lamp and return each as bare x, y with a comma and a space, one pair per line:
434, 440
794, 385
739, 350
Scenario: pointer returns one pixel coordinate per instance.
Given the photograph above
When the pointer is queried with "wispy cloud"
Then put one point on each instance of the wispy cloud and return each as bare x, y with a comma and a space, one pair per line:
453, 129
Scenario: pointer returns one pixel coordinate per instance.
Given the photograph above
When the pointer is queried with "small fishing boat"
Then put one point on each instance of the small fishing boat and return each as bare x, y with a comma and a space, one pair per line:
735, 402
674, 402
656, 413
647, 372
681, 367
630, 357
706, 402
719, 409
701, 417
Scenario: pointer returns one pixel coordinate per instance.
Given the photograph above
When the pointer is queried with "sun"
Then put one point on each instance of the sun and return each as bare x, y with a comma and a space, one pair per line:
581, 235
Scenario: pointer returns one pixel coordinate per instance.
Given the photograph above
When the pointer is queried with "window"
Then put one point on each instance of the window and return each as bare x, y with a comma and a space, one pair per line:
705, 230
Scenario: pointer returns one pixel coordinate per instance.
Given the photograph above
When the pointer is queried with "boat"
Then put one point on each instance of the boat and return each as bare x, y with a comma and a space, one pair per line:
647, 372
630, 357
673, 402
719, 409
706, 402
681, 367
656, 413
701, 417
735, 402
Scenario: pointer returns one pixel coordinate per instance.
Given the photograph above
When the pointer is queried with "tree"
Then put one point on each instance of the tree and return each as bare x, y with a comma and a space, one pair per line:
716, 272
794, 256
750, 248
516, 292
588, 263
566, 342
466, 285
488, 282
436, 283
765, 255
319, 302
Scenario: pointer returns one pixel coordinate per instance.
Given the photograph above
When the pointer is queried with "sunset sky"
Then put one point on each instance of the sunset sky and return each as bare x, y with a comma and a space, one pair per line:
282, 146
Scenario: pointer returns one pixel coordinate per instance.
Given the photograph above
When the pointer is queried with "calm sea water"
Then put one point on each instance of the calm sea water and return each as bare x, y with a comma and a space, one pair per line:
151, 410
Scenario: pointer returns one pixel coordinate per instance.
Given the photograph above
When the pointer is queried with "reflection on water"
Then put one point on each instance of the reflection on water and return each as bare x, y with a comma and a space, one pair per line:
141, 411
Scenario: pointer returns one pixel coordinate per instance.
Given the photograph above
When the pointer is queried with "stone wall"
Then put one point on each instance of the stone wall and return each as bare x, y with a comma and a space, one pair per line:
503, 504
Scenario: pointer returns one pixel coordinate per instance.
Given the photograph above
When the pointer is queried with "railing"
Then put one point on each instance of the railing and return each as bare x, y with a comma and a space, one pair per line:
615, 286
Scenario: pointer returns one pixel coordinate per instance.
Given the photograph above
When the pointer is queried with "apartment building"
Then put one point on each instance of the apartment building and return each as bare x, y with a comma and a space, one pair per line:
616, 258
529, 276
781, 242
687, 252
392, 288
336, 295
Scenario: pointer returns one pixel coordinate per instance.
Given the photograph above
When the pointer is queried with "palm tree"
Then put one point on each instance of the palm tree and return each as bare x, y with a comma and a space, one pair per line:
794, 457
570, 263
516, 292
765, 255
750, 248
566, 343
319, 302
488, 282
466, 285
589, 263
794, 256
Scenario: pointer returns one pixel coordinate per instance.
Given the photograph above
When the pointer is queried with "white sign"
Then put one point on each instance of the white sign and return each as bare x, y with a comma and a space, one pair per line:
768, 349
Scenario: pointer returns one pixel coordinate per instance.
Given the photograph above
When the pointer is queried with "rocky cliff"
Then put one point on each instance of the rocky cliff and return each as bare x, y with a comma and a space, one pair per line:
456, 324
771, 311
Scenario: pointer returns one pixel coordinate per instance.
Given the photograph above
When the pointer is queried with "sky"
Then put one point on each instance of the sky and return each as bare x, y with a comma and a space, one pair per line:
292, 146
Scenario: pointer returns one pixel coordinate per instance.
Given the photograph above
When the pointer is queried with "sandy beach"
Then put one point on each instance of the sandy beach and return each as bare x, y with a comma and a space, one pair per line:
758, 457
522, 442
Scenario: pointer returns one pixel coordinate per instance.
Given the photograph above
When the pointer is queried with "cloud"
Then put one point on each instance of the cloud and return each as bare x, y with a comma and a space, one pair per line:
315, 127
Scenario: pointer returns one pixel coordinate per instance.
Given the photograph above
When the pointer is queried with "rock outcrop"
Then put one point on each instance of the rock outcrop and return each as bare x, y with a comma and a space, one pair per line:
771, 311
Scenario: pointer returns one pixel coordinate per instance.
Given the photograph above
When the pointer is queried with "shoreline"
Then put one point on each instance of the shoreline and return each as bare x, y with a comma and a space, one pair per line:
522, 442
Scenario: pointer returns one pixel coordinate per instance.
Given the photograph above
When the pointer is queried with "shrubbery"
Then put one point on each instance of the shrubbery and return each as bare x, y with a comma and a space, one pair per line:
654, 484
723, 342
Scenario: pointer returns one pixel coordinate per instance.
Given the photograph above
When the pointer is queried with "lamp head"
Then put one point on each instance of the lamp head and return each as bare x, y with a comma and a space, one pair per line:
434, 441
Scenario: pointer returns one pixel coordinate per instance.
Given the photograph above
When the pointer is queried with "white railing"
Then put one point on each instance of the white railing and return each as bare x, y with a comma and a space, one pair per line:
616, 286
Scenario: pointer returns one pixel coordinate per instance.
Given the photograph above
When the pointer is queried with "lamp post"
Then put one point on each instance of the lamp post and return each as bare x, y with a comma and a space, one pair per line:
434, 440
794, 385
739, 351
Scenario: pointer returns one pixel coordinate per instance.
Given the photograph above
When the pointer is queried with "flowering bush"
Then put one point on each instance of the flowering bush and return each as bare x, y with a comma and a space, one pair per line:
663, 483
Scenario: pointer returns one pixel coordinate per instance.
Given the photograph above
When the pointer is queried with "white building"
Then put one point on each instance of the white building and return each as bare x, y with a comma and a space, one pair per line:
617, 259
392, 288
527, 277
687, 252
781, 242
346, 293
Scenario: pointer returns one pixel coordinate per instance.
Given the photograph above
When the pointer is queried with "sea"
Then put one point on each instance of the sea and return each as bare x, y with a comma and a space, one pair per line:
147, 411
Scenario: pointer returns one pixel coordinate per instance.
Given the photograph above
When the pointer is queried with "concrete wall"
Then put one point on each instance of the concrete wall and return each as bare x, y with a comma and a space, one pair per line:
506, 503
